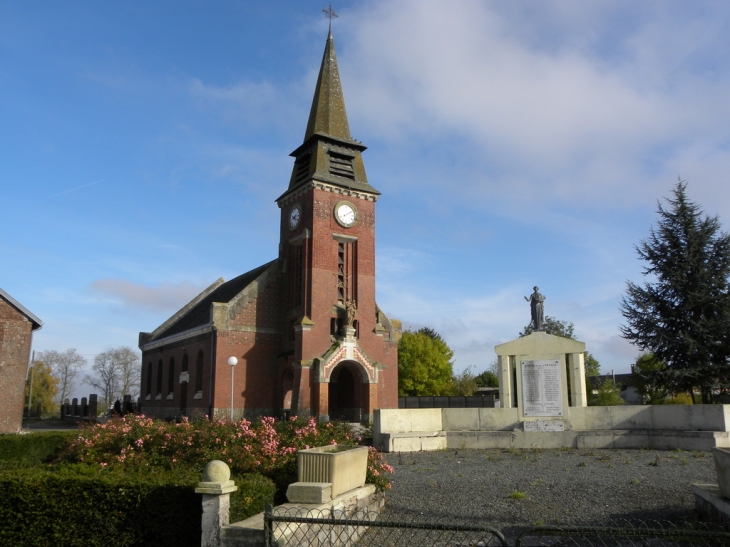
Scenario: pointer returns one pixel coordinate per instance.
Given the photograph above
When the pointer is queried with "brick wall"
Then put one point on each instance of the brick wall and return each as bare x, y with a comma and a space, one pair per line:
15, 341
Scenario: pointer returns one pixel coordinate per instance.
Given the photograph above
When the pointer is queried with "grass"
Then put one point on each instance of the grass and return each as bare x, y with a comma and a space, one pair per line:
635, 481
517, 495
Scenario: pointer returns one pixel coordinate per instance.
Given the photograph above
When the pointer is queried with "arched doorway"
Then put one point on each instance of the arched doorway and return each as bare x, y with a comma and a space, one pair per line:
346, 393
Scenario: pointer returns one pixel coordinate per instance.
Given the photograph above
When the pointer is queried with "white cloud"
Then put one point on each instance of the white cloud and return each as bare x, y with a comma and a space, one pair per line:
161, 298
570, 116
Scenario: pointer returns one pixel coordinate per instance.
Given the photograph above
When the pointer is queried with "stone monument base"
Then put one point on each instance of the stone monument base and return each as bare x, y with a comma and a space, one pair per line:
711, 506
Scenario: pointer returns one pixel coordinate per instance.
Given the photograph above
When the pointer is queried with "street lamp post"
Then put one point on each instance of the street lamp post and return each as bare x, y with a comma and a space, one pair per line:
233, 362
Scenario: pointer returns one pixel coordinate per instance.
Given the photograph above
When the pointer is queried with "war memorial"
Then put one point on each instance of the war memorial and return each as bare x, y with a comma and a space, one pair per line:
543, 404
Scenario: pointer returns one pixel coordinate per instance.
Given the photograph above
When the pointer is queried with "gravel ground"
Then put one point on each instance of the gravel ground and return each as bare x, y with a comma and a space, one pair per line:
509, 489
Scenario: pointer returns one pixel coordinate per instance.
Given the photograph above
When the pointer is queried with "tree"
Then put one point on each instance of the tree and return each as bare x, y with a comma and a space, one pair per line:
682, 313
65, 367
487, 379
118, 372
553, 326
424, 364
464, 383
647, 382
45, 388
608, 394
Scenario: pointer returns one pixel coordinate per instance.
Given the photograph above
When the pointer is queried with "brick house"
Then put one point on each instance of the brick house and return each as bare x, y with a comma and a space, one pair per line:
309, 338
16, 336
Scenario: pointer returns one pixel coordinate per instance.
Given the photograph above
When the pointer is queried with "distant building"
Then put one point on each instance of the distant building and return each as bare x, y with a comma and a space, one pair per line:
628, 392
17, 325
306, 331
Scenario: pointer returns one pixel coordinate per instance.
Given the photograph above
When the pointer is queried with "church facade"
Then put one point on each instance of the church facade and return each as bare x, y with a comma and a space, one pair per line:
307, 334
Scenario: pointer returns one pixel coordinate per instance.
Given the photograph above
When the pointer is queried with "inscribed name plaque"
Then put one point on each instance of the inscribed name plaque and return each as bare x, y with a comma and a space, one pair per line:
538, 426
542, 394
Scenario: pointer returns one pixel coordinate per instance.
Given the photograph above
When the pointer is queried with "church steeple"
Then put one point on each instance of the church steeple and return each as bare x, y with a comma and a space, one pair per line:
329, 154
328, 113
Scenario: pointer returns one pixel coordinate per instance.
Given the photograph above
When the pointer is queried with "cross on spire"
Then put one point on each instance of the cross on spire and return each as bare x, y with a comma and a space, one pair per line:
330, 14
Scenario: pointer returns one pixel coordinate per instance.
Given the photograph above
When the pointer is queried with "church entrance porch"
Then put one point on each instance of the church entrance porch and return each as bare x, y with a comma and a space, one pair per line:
346, 393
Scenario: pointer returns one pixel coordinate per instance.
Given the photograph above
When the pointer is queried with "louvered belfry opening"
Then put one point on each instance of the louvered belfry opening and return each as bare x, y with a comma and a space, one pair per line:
301, 168
341, 165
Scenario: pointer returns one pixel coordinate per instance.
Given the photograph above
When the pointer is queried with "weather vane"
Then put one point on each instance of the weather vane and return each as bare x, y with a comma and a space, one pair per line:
330, 14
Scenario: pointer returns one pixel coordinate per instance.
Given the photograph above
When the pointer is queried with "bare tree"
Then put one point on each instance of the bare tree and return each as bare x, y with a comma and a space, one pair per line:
117, 372
64, 367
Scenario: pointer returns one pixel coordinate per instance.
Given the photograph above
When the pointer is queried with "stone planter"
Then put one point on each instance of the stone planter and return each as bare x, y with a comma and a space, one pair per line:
342, 466
722, 468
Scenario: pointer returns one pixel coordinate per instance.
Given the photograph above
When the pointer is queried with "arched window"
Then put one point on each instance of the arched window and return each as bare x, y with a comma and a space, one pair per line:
171, 376
149, 378
159, 378
199, 372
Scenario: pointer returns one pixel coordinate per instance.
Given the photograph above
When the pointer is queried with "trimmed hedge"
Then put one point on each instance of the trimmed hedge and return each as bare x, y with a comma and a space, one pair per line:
77, 505
35, 448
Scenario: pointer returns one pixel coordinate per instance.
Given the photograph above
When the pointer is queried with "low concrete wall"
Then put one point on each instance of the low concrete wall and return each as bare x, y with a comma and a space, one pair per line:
661, 427
250, 532
657, 417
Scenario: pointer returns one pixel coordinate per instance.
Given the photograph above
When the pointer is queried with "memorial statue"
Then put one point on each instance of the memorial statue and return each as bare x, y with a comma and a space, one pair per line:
350, 311
536, 309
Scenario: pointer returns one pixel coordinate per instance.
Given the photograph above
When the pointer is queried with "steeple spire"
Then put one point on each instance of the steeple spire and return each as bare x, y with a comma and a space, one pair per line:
328, 113
328, 154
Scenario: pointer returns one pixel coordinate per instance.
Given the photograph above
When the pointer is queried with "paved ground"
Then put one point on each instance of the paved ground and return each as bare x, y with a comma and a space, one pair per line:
517, 488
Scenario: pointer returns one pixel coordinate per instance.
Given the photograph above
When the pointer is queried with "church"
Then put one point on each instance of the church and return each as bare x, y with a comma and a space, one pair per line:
307, 335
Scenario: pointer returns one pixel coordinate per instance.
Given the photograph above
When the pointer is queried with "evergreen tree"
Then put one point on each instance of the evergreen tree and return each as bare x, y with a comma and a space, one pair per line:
682, 313
424, 364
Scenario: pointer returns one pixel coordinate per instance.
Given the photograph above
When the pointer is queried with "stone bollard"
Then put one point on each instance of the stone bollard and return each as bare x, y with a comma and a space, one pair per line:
215, 487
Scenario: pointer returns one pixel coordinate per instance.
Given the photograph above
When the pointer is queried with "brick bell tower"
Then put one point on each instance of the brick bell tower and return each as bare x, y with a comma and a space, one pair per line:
340, 353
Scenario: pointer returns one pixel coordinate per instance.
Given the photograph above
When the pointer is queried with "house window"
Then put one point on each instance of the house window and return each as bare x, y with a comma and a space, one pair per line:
296, 275
149, 378
199, 372
171, 377
159, 378
346, 268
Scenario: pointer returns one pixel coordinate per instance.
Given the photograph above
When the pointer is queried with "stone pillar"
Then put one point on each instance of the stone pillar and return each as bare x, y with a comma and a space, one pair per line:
577, 370
93, 405
505, 381
372, 401
323, 401
216, 488
84, 407
75, 405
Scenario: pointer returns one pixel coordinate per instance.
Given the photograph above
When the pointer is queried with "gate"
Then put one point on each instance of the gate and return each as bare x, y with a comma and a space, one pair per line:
314, 528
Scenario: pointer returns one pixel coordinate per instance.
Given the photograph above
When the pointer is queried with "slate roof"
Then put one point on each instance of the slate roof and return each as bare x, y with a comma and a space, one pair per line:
37, 323
199, 314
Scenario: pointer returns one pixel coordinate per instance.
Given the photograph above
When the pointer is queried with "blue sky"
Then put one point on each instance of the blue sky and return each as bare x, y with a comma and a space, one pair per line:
515, 144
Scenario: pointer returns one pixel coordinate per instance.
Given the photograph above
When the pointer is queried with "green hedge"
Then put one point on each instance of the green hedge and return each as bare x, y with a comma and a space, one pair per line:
81, 506
35, 448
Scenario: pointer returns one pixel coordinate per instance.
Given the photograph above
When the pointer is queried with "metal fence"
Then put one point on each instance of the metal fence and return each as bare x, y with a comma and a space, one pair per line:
314, 528
479, 401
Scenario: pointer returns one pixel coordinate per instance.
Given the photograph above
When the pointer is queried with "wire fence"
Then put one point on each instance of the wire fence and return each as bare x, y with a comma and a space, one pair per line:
286, 527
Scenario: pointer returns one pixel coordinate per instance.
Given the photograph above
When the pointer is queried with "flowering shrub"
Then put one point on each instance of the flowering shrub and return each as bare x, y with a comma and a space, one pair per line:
267, 446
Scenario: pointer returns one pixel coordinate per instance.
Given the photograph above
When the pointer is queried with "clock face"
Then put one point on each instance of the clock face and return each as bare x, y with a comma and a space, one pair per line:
345, 214
295, 215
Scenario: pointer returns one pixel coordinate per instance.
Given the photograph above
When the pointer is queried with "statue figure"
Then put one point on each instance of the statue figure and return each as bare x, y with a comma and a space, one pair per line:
350, 311
536, 309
